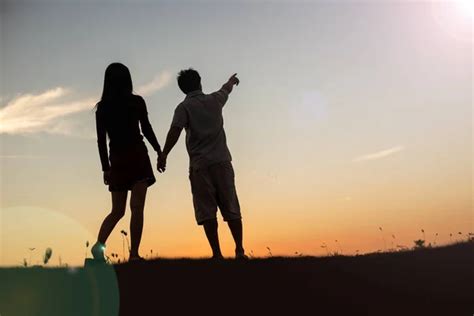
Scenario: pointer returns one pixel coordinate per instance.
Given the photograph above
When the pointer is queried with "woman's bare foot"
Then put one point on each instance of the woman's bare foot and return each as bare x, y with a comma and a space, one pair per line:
98, 252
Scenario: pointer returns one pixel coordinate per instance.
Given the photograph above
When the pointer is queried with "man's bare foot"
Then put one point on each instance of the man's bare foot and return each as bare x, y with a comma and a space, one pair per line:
217, 257
136, 258
240, 254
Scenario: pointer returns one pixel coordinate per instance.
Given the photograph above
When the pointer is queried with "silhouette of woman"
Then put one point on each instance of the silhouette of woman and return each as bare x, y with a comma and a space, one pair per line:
119, 115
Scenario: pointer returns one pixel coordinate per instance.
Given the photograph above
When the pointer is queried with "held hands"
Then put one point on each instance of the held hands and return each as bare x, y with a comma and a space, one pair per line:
161, 165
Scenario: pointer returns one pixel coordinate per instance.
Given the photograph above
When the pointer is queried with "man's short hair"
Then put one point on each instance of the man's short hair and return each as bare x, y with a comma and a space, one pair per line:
189, 80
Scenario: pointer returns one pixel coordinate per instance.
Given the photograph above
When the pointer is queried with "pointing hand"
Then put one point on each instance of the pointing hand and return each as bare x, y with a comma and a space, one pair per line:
233, 80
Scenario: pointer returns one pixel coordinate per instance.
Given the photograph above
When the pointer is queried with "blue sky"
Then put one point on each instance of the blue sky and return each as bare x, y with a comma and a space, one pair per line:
348, 113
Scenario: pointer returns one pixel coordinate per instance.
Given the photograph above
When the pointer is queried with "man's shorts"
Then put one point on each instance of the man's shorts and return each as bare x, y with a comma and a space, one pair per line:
213, 187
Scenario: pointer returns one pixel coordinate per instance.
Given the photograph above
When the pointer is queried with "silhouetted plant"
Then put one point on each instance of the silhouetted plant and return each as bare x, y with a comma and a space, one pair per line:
31, 253
339, 246
25, 263
470, 237
435, 239
124, 237
423, 232
327, 248
47, 255
402, 247
419, 244
114, 256
269, 252
87, 247
383, 238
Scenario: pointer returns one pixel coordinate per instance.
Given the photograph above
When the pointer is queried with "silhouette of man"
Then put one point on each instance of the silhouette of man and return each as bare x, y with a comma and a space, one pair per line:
210, 172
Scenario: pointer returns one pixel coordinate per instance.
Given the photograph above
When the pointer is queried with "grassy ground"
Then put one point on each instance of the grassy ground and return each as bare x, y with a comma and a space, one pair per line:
438, 281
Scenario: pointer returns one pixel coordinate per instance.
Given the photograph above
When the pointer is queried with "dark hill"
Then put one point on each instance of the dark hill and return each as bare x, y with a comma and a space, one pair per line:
438, 281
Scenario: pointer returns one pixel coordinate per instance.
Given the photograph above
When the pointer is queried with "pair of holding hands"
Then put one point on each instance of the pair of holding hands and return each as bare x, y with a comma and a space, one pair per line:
161, 165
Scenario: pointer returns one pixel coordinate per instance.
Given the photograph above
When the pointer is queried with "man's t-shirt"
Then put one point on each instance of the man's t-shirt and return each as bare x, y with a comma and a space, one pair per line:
201, 116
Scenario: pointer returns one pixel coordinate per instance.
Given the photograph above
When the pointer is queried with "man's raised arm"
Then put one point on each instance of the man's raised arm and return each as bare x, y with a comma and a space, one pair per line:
223, 94
233, 80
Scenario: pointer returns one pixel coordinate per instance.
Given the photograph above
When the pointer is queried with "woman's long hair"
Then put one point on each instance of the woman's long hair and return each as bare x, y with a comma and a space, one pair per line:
117, 84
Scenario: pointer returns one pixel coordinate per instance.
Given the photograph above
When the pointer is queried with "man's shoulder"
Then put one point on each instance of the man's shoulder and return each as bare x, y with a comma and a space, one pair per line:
203, 98
213, 97
182, 104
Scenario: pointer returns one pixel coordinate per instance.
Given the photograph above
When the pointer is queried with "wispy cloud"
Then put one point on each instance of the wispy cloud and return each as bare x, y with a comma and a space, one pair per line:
379, 154
159, 82
52, 111
31, 113
22, 157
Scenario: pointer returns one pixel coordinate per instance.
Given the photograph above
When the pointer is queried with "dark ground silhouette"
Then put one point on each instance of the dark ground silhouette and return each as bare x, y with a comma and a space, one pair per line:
438, 281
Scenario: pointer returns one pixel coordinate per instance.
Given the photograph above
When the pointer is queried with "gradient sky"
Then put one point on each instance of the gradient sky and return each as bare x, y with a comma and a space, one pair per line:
350, 116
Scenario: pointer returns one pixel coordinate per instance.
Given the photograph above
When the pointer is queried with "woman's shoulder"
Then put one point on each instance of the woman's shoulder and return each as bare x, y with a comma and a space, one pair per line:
137, 98
138, 101
99, 107
133, 101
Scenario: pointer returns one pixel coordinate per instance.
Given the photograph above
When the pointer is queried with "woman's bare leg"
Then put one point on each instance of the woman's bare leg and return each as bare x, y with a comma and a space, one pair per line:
137, 205
119, 200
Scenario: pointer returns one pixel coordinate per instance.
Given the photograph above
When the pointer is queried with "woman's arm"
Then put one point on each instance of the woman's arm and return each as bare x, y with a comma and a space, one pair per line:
147, 130
102, 142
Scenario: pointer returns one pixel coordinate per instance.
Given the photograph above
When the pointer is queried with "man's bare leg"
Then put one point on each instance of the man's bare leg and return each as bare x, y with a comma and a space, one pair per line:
210, 227
236, 230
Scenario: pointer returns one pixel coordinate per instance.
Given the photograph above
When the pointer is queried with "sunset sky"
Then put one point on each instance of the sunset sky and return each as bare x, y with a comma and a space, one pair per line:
350, 116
